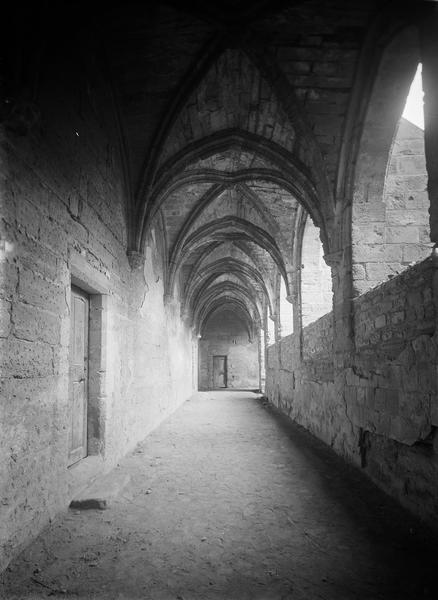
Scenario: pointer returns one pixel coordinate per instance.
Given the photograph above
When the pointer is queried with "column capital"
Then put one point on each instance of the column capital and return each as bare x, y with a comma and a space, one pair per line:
135, 259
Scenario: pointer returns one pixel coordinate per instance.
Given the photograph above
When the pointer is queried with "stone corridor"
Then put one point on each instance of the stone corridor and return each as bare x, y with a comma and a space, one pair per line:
222, 195
228, 499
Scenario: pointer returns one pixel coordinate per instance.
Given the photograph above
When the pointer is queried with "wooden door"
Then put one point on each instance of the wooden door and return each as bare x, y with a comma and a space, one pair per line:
219, 372
78, 383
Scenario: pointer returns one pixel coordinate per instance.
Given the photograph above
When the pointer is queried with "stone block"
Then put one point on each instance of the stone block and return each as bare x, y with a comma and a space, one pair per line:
404, 217
364, 253
5, 318
28, 217
77, 232
380, 271
414, 298
434, 411
427, 379
399, 201
33, 289
393, 253
398, 317
387, 400
53, 237
21, 358
427, 295
39, 259
380, 321
32, 323
297, 67
382, 421
327, 126
351, 377
289, 53
8, 279
358, 414
415, 253
404, 430
412, 164
396, 235
101, 492
326, 68
361, 287
368, 233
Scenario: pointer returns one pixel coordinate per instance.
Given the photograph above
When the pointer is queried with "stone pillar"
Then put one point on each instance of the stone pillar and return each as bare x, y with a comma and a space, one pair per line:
266, 336
434, 399
273, 333
262, 352
295, 298
340, 264
343, 434
429, 58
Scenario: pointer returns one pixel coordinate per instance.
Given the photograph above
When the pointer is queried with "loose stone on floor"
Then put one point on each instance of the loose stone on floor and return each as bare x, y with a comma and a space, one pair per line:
229, 500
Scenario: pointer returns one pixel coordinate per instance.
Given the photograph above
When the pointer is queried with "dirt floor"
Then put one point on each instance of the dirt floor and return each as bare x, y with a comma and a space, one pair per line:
229, 500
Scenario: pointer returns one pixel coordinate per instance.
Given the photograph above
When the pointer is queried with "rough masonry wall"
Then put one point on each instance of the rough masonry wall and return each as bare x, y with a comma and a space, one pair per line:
64, 217
300, 378
394, 387
382, 411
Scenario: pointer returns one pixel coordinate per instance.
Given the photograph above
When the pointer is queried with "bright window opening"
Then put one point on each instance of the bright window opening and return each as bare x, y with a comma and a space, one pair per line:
286, 312
271, 331
414, 111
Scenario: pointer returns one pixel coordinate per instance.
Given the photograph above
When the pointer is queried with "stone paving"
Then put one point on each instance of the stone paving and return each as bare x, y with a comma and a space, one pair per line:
229, 500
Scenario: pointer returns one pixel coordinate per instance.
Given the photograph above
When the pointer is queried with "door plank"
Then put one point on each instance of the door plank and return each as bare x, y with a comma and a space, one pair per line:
78, 375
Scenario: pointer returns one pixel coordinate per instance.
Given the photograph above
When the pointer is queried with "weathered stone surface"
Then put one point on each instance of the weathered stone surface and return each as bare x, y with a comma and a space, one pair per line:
5, 318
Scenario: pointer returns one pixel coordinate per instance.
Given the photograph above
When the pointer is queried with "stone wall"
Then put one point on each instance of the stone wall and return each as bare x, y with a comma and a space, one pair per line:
395, 385
381, 412
227, 337
63, 221
299, 376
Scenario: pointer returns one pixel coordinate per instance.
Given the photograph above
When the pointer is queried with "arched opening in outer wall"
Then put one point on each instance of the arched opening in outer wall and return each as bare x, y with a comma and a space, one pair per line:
390, 219
286, 311
406, 228
316, 281
270, 338
228, 355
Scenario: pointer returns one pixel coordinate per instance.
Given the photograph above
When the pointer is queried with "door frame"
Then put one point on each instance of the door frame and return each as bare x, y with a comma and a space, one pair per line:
74, 454
93, 283
225, 357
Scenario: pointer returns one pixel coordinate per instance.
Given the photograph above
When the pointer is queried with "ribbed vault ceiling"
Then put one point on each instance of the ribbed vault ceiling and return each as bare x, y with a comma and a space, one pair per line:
226, 187
221, 152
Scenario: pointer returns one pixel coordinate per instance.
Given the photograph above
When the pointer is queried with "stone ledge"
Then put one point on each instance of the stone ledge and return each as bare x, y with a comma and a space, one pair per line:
83, 473
100, 493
